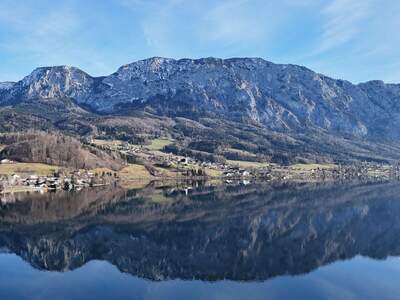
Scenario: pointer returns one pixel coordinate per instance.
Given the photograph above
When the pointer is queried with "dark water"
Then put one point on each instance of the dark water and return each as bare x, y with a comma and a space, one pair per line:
281, 241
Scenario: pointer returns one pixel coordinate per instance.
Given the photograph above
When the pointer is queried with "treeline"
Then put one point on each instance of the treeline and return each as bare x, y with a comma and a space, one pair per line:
56, 149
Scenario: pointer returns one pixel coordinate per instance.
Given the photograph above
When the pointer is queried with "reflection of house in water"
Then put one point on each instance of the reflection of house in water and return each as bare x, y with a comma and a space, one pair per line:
252, 232
7, 161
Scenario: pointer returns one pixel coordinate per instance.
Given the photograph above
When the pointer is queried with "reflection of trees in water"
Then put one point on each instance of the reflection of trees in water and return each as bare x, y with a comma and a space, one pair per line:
237, 232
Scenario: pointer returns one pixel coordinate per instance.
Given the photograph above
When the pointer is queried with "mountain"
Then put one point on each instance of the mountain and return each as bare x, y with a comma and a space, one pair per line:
281, 112
6, 85
238, 233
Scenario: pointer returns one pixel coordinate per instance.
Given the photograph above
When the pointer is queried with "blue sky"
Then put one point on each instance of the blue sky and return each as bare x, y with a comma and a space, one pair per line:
357, 40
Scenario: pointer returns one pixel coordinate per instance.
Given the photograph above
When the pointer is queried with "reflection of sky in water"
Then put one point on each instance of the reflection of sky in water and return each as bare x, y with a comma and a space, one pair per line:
252, 232
359, 278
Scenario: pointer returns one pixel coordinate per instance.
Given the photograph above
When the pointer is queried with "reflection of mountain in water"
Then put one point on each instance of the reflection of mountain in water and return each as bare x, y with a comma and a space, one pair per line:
240, 233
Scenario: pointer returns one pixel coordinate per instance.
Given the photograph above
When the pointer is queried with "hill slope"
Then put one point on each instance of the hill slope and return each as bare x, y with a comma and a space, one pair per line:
279, 112
56, 149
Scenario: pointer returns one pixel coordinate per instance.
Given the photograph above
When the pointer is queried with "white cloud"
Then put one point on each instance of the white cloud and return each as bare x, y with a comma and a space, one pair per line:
359, 41
41, 38
57, 23
155, 32
351, 39
37, 34
168, 25
343, 21
234, 22
156, 18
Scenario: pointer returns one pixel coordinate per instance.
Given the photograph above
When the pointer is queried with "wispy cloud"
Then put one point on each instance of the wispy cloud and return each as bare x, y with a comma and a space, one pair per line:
175, 26
37, 37
343, 21
156, 22
47, 36
359, 40
234, 22
351, 39
36, 34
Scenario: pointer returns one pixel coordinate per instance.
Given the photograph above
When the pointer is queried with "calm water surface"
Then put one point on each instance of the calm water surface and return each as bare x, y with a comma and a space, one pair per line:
280, 241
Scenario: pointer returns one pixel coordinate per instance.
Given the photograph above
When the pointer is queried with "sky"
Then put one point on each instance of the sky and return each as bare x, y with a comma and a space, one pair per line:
356, 40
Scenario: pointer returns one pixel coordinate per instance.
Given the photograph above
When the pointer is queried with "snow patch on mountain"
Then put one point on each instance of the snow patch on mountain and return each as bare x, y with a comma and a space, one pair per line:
6, 85
276, 96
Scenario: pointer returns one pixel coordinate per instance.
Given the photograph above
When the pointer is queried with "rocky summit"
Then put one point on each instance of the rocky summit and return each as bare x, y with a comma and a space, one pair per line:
278, 111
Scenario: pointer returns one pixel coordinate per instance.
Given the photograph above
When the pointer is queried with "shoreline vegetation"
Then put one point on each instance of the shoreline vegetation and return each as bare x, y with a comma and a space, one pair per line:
40, 162
18, 177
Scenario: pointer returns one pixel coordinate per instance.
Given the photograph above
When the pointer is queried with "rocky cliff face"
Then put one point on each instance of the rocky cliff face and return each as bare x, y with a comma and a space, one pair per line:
270, 98
49, 83
6, 85
279, 97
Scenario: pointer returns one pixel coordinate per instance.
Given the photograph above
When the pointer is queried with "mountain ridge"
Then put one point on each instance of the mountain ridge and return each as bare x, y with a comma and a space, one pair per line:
204, 59
271, 98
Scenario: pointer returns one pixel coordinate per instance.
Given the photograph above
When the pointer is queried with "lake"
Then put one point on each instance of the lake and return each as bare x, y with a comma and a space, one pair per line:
243, 241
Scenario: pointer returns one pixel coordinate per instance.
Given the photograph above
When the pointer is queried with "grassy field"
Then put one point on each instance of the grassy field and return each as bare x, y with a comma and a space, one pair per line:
213, 172
159, 144
28, 168
106, 142
134, 172
247, 164
241, 152
308, 167
167, 172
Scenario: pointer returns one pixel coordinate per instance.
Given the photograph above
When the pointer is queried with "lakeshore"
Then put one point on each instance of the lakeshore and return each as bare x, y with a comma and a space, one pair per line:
25, 177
